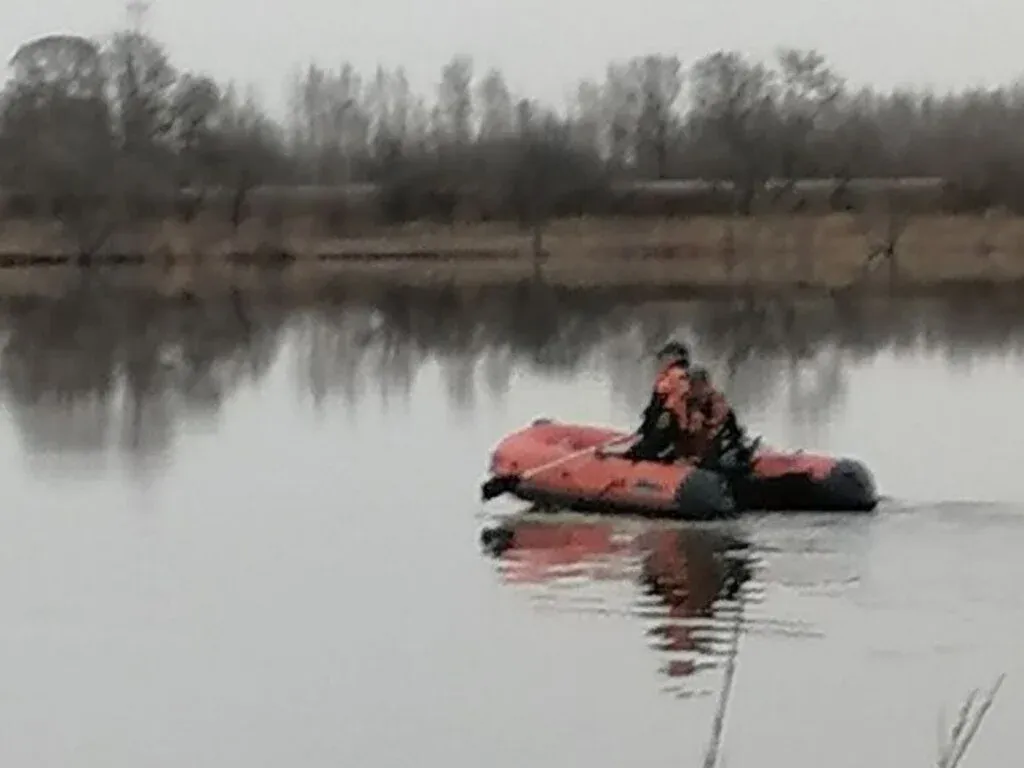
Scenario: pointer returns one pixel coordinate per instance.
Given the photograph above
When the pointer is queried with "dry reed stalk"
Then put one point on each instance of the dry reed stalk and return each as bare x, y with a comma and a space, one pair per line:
718, 724
968, 721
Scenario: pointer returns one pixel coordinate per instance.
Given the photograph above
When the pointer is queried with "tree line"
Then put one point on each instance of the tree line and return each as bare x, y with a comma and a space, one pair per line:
113, 125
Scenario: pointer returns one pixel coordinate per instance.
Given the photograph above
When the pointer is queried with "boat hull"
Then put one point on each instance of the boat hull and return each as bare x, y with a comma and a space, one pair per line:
585, 479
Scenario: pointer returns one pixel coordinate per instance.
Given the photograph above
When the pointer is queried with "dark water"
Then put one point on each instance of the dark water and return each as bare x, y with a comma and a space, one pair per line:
245, 533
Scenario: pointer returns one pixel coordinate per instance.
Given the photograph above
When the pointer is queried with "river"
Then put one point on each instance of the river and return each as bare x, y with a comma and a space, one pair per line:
246, 533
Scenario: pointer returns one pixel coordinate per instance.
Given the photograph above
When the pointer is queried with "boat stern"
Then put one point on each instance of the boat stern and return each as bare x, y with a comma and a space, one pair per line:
704, 495
849, 485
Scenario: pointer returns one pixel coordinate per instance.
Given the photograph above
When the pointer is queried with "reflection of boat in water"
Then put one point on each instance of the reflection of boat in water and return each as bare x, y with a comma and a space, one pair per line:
696, 576
693, 576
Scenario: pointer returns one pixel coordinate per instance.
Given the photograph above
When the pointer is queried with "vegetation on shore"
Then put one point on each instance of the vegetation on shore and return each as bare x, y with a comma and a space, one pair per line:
716, 171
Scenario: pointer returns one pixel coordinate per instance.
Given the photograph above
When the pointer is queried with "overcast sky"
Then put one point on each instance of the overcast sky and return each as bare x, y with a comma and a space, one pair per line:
545, 46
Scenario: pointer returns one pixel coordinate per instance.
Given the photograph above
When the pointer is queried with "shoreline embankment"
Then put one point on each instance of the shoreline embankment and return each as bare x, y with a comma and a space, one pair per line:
701, 254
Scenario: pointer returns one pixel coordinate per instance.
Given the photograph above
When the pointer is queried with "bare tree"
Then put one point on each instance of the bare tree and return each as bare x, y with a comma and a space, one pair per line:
56, 127
141, 83
250, 148
57, 140
455, 102
386, 104
194, 129
734, 113
807, 90
329, 127
659, 80
497, 111
621, 114
587, 120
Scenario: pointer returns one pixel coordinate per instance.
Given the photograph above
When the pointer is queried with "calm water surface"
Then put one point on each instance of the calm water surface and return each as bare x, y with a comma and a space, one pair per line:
249, 536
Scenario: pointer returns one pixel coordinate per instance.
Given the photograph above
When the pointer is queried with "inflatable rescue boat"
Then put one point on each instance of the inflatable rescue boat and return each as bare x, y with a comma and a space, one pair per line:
563, 465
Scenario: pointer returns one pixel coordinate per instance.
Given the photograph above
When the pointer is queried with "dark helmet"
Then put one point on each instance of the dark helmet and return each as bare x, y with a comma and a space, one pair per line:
676, 352
700, 375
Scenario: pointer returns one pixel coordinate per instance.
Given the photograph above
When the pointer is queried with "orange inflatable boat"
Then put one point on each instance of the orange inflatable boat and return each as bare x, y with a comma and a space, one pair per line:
563, 465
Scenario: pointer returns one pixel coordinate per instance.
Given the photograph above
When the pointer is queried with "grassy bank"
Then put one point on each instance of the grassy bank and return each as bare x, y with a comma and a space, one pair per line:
823, 252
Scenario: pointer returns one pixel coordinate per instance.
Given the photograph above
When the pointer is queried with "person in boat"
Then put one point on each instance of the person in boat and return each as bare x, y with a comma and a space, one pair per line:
715, 434
709, 413
664, 429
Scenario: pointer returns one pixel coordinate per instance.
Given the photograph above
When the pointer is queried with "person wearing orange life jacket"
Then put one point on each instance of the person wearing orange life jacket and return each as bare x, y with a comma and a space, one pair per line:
666, 419
709, 413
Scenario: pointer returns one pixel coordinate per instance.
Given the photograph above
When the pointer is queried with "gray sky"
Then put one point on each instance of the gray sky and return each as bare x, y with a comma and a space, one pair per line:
544, 47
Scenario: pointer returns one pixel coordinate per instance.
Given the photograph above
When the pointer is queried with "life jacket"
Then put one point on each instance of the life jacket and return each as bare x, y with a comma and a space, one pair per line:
664, 423
667, 408
712, 412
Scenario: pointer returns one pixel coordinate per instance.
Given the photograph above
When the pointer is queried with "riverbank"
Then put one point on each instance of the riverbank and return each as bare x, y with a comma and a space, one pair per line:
713, 254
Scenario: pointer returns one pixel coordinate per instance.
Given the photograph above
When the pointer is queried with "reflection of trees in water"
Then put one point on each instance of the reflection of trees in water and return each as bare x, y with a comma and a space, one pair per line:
487, 335
758, 350
344, 351
103, 368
